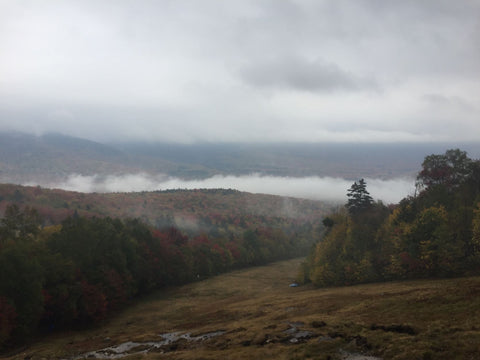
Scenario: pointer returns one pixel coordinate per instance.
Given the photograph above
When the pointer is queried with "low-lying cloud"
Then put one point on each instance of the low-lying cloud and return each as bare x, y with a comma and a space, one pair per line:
317, 188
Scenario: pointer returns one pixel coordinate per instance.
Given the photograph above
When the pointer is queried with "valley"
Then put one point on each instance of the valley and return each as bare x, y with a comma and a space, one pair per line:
254, 314
239, 180
51, 158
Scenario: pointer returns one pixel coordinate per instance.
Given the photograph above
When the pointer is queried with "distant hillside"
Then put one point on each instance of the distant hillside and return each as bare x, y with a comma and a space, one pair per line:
190, 210
52, 158
349, 161
26, 157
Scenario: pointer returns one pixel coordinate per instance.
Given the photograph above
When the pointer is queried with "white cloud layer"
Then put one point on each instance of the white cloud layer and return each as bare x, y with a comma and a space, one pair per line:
317, 188
250, 70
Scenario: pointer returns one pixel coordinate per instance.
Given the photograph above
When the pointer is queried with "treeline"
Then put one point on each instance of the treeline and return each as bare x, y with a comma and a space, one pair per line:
435, 233
78, 272
185, 209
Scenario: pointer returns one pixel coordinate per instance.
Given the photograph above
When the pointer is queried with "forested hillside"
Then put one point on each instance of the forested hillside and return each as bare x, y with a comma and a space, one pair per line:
70, 263
193, 211
433, 234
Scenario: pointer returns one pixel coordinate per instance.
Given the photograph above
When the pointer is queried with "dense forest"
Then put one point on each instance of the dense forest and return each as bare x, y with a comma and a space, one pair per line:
205, 210
435, 233
77, 271
68, 259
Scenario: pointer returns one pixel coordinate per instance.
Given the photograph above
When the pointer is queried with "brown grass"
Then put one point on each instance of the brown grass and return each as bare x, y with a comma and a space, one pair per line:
425, 319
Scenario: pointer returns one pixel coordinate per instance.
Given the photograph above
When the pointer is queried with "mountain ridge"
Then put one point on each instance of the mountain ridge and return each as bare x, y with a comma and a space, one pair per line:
51, 157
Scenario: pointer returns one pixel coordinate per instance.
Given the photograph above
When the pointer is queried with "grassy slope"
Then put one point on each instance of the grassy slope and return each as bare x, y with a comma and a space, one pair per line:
255, 306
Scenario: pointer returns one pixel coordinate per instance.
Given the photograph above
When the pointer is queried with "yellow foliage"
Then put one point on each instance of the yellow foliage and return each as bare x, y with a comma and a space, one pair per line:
47, 231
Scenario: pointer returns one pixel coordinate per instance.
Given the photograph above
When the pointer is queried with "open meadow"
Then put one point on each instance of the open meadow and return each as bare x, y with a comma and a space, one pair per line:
255, 314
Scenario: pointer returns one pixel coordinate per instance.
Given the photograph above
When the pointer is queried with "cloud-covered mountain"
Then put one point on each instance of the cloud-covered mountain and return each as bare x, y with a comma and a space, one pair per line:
316, 171
24, 157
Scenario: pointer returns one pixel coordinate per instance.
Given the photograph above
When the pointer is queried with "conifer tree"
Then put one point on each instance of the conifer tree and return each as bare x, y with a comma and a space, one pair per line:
359, 198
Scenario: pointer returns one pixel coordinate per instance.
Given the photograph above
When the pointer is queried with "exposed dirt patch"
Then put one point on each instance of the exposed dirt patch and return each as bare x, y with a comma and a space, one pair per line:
402, 329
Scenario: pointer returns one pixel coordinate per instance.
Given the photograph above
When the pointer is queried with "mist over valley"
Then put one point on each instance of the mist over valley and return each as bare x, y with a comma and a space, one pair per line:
254, 179
329, 189
313, 171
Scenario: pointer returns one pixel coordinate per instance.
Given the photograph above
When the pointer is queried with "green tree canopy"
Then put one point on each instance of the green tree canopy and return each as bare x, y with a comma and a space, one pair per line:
434, 233
18, 224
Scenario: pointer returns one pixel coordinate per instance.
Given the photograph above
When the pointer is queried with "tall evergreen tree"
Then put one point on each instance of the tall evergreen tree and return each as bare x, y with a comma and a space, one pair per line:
359, 198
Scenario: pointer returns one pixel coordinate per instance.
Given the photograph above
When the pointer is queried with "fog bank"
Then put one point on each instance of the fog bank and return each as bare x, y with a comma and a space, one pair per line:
317, 188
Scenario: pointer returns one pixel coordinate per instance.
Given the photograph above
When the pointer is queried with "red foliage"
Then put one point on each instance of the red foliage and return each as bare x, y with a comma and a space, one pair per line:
200, 240
116, 289
94, 302
7, 319
410, 262
216, 248
47, 301
171, 236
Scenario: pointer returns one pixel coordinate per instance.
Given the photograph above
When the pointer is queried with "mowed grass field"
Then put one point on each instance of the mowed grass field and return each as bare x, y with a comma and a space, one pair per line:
261, 317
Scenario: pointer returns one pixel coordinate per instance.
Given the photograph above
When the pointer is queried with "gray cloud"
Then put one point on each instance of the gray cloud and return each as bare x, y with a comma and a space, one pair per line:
300, 74
445, 101
263, 70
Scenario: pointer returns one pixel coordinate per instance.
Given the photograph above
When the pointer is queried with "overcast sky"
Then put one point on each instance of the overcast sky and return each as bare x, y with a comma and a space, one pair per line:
260, 70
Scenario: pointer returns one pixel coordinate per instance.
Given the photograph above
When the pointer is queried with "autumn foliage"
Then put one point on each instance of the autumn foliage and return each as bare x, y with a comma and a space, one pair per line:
78, 272
432, 234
